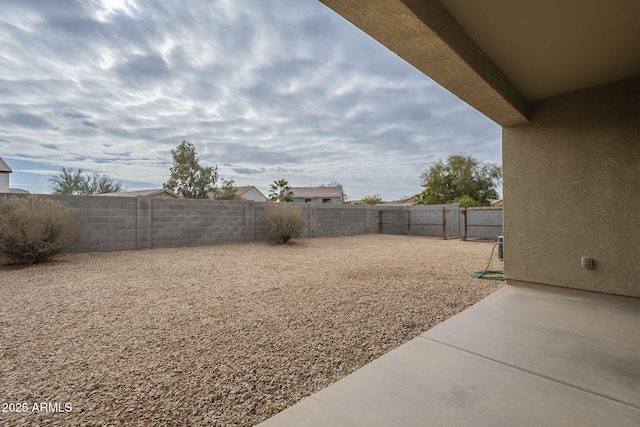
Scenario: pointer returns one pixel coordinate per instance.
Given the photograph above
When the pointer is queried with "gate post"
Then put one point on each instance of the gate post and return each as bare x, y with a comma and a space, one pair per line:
444, 223
464, 215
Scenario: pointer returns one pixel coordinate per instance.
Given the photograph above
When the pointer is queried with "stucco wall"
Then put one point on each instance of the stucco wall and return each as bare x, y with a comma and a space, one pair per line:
254, 195
4, 182
572, 189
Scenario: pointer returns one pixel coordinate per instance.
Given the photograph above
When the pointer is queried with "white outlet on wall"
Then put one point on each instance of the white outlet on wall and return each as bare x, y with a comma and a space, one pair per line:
586, 262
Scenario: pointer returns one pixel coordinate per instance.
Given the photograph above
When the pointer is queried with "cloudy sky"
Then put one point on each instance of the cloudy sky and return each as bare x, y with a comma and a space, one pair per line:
265, 89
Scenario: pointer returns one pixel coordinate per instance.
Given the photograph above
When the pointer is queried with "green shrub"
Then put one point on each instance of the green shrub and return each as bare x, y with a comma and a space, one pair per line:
466, 202
371, 200
284, 221
32, 230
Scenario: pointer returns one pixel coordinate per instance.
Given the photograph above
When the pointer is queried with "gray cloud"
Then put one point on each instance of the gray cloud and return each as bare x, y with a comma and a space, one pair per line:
267, 90
141, 71
75, 26
24, 120
90, 124
248, 171
75, 115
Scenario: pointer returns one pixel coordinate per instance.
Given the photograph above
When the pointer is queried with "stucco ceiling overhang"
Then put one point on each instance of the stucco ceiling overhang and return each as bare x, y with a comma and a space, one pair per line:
501, 55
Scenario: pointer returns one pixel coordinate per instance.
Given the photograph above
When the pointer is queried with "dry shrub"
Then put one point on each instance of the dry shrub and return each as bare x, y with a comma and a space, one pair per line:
284, 221
32, 230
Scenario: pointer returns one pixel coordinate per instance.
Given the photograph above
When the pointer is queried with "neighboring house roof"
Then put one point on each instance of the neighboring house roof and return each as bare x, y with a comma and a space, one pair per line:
245, 189
240, 191
18, 191
317, 192
4, 167
141, 193
408, 201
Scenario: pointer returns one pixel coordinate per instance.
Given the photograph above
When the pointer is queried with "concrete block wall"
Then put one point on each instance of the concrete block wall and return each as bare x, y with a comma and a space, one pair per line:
309, 213
259, 221
188, 222
339, 220
122, 223
106, 224
249, 221
484, 223
144, 223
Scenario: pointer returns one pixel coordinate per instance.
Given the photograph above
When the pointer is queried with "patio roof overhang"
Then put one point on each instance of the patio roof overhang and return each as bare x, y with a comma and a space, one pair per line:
498, 55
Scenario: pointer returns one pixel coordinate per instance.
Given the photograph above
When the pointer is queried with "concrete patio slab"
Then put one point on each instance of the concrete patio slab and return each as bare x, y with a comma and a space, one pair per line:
525, 357
583, 339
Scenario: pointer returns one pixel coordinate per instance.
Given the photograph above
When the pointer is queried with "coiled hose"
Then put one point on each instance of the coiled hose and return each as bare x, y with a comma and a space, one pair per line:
490, 274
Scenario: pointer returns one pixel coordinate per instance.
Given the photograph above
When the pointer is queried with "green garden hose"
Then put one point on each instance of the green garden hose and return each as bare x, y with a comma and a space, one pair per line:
490, 274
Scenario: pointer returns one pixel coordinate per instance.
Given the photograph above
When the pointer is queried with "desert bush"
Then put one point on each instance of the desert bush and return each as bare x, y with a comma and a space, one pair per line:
371, 200
32, 230
284, 221
466, 202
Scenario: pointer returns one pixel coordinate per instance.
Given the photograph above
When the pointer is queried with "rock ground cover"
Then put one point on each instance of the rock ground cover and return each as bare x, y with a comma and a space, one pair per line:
222, 335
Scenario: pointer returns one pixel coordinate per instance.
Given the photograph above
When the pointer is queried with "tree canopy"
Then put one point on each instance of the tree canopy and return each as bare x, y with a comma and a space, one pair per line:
281, 191
188, 178
77, 182
461, 179
374, 199
228, 191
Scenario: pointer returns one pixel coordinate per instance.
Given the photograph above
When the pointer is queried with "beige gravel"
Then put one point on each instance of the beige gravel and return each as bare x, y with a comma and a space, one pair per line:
222, 335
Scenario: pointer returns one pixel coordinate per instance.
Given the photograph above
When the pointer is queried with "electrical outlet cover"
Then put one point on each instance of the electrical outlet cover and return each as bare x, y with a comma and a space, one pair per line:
586, 262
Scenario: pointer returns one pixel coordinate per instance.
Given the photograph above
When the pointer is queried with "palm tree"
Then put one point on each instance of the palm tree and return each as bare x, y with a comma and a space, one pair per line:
280, 191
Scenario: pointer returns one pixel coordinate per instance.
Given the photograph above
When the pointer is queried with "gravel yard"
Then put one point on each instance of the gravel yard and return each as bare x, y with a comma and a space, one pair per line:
221, 335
